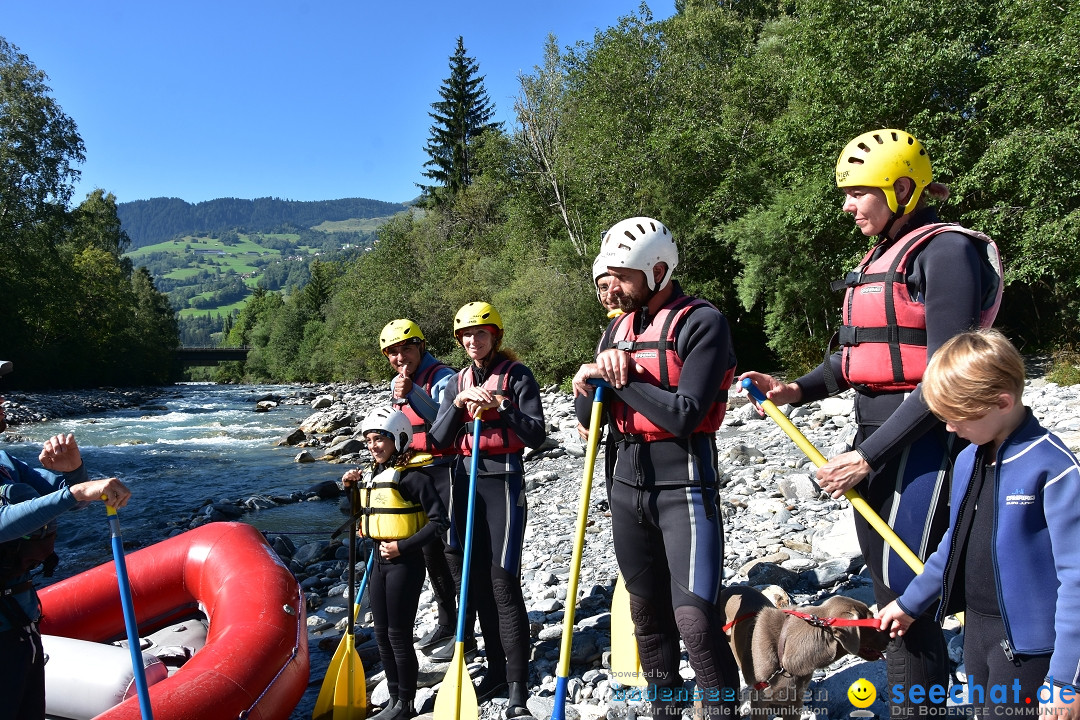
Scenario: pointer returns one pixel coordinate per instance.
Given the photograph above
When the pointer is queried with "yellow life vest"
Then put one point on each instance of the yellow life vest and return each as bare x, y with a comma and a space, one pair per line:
384, 513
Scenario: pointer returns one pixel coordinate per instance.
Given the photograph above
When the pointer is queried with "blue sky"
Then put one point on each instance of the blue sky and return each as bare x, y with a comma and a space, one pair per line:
298, 100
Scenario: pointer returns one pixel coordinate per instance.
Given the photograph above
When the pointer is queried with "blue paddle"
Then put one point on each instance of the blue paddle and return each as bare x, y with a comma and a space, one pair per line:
456, 699
129, 614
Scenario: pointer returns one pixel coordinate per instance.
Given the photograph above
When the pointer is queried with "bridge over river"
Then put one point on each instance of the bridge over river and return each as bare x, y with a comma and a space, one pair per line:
209, 355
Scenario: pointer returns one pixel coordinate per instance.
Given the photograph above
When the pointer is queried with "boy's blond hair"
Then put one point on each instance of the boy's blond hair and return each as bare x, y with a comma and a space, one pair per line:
968, 373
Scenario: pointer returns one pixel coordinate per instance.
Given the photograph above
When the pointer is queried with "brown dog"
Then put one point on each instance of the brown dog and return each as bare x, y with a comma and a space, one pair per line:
778, 652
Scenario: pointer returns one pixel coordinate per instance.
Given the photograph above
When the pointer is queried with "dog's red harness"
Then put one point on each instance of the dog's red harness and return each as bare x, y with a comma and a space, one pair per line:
816, 621
826, 622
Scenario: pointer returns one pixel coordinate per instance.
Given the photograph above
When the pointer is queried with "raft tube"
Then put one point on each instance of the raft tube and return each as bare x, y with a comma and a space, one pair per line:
255, 661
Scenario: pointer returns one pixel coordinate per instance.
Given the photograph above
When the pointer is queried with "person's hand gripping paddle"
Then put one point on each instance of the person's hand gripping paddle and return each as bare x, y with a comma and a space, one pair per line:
456, 699
857, 501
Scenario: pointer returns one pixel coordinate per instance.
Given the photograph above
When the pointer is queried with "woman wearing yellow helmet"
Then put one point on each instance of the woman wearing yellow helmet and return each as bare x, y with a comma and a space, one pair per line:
923, 282
503, 393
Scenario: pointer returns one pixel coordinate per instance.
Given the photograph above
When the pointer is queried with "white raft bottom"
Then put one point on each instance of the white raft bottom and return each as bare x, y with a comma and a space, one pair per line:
84, 679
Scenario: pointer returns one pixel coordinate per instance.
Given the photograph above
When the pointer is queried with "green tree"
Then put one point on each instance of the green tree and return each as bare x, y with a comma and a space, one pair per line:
461, 117
39, 149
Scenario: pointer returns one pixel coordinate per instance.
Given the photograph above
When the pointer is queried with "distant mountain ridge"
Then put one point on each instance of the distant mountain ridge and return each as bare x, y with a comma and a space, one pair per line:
152, 221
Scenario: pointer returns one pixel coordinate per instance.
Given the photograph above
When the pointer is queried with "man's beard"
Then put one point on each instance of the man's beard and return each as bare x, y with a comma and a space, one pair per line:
630, 303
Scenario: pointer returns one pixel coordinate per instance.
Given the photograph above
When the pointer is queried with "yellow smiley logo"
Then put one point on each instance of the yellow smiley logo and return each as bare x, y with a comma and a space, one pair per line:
861, 693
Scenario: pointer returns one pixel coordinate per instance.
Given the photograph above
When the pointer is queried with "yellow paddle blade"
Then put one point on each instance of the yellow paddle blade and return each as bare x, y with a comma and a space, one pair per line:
350, 690
625, 664
325, 702
456, 699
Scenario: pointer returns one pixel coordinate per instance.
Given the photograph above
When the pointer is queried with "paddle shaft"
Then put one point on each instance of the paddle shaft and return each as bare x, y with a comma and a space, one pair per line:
457, 672
857, 501
132, 627
563, 673
351, 625
325, 700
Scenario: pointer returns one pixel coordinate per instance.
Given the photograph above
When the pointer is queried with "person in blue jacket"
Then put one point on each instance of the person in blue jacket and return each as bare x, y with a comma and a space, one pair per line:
1010, 559
30, 502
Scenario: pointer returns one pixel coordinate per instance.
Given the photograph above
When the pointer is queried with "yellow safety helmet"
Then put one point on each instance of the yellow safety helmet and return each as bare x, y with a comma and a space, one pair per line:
475, 314
877, 158
398, 331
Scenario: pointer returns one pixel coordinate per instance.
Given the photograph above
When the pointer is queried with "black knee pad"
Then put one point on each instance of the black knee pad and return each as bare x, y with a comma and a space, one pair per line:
644, 615
657, 649
697, 634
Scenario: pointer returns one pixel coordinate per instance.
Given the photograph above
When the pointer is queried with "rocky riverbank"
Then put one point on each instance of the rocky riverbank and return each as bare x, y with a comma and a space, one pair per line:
22, 408
780, 531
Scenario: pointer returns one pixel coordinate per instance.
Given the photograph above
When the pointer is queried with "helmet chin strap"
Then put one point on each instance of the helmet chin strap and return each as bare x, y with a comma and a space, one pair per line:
896, 216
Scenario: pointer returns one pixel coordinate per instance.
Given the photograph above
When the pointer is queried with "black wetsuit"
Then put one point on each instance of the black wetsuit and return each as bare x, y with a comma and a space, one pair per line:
396, 586
501, 513
667, 530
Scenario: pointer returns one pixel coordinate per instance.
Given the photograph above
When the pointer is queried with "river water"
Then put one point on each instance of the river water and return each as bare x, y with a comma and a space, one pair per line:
207, 443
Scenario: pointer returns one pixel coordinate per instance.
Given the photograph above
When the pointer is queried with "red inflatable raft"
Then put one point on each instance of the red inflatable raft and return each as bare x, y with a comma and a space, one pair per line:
255, 661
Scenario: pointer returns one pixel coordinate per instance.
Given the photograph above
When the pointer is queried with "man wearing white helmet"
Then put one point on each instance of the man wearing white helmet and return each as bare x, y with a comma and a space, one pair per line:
670, 360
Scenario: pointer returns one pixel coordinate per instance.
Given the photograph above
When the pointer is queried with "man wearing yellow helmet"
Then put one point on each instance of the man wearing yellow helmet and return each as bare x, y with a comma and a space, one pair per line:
417, 390
503, 393
923, 282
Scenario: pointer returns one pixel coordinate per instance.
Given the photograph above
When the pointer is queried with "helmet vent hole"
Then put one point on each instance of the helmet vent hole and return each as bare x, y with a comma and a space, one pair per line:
855, 161
864, 147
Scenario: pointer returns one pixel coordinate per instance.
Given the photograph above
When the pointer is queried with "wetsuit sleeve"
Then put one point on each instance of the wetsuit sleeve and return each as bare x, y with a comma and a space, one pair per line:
421, 489
704, 344
449, 421
1061, 500
526, 412
925, 589
54, 498
425, 405
813, 383
948, 276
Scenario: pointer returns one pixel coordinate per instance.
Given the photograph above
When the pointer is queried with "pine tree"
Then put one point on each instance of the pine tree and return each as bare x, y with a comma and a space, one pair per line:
463, 114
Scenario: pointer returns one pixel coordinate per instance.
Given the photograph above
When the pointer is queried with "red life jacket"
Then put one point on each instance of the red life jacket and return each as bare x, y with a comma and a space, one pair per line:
421, 441
658, 340
883, 337
496, 435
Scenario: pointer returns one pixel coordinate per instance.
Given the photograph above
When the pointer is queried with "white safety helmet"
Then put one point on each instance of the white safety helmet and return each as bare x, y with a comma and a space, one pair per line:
599, 270
639, 244
390, 422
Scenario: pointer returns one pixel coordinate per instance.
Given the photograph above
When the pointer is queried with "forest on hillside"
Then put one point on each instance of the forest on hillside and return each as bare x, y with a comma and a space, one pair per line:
151, 221
725, 122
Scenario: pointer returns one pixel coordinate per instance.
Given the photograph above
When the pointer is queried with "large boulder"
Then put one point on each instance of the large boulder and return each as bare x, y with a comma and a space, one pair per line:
327, 421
